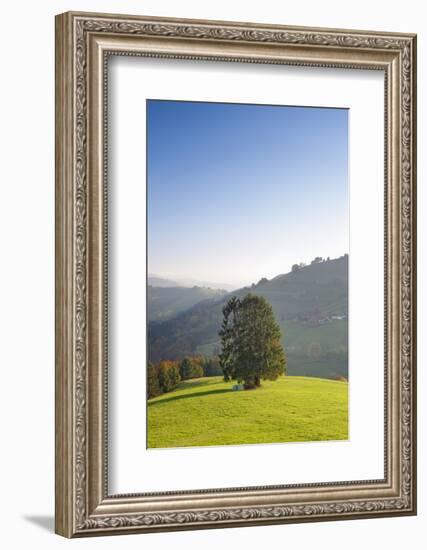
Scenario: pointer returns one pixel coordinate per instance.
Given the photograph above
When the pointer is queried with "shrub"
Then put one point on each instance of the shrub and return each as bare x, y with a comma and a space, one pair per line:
191, 367
168, 375
153, 386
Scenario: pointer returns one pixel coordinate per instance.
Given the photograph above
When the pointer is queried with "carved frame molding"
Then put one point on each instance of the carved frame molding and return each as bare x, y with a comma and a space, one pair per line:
83, 43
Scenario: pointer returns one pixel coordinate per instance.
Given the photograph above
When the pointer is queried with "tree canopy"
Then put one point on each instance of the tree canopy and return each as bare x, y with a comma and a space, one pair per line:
191, 367
251, 342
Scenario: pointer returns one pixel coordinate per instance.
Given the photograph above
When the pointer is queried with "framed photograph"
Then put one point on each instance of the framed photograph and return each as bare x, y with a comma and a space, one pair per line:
235, 274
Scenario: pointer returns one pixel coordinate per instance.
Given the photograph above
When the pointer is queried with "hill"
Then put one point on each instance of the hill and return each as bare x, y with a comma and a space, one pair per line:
154, 280
158, 281
316, 288
207, 412
310, 304
166, 302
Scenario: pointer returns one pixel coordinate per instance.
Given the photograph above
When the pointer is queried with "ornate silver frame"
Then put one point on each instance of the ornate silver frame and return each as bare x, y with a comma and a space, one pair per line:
83, 505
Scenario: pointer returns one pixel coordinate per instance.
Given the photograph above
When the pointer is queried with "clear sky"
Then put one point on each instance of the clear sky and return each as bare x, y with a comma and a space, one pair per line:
240, 192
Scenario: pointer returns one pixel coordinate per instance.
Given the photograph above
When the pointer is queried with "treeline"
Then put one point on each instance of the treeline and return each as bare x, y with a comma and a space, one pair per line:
316, 260
165, 376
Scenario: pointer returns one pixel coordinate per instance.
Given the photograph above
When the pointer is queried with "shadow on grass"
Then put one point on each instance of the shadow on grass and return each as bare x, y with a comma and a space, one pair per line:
185, 384
187, 396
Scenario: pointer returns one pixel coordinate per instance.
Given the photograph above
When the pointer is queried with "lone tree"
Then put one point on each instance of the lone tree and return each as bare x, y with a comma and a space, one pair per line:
250, 338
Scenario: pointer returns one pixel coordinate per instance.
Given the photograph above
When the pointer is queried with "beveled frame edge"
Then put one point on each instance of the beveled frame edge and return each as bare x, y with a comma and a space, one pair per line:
82, 505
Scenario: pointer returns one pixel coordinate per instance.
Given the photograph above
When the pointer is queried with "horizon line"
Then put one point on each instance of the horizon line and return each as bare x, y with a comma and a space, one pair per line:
182, 279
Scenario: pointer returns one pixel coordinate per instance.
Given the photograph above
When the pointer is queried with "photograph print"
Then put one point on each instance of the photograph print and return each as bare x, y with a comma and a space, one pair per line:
247, 285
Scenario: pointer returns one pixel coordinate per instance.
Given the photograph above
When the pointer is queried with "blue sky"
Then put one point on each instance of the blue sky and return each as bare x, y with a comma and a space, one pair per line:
240, 192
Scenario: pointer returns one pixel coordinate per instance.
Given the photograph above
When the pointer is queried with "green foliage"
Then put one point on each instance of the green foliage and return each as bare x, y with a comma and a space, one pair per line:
197, 371
153, 386
174, 377
163, 376
250, 339
185, 368
168, 375
207, 412
191, 367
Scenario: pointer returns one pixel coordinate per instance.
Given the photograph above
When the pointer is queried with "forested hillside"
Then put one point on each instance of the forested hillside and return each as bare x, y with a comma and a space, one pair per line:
310, 304
167, 302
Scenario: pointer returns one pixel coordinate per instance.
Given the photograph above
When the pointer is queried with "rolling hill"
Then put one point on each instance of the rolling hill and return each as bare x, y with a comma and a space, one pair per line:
310, 304
166, 302
163, 282
160, 282
207, 412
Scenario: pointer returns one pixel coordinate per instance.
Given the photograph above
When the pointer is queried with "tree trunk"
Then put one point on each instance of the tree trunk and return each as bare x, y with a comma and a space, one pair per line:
252, 383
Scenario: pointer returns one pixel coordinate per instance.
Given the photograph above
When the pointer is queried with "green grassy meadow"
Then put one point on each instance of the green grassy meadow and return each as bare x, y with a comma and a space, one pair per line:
207, 412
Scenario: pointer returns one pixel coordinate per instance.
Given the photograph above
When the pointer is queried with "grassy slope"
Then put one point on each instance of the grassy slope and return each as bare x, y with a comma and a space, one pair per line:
207, 412
331, 336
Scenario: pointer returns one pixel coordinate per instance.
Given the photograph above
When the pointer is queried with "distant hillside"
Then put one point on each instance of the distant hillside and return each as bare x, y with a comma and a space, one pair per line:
207, 284
163, 282
310, 304
167, 302
160, 282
